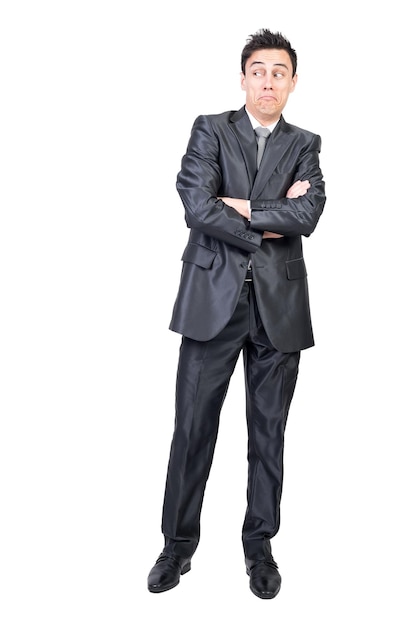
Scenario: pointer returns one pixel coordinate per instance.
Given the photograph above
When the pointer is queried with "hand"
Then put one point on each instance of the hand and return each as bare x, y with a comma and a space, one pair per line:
299, 188
268, 235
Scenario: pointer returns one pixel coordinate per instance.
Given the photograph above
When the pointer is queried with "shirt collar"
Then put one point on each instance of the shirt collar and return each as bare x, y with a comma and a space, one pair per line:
255, 123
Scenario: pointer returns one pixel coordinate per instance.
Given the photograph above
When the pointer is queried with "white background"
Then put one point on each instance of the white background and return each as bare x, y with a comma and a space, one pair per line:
91, 236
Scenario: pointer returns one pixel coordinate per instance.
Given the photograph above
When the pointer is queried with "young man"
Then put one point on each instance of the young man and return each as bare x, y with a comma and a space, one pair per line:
243, 288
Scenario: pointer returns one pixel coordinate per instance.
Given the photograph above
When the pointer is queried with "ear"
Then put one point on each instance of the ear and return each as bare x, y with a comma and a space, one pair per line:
294, 81
243, 84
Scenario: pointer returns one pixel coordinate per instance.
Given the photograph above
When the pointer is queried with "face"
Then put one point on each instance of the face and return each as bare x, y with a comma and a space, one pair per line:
268, 82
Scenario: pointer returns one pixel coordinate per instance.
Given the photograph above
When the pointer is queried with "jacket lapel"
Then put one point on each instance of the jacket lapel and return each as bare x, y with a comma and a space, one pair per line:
242, 129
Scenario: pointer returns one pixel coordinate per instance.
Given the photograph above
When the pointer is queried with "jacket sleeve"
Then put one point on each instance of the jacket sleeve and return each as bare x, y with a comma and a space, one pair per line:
198, 184
298, 216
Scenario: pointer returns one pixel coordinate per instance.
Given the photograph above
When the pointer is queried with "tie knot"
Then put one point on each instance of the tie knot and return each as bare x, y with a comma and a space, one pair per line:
261, 131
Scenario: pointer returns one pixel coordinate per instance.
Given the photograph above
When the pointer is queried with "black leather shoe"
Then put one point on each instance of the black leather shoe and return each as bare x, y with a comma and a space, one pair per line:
265, 580
166, 572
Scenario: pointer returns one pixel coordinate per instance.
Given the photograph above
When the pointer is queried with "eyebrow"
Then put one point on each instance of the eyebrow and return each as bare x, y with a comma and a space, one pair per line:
275, 64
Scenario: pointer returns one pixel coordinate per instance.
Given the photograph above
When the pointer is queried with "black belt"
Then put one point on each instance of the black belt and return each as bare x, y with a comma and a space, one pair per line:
249, 274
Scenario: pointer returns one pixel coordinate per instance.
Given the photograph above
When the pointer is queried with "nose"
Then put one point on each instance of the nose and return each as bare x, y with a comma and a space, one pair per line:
268, 84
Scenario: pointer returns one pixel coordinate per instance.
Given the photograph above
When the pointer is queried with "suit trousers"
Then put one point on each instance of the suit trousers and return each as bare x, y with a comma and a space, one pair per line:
203, 376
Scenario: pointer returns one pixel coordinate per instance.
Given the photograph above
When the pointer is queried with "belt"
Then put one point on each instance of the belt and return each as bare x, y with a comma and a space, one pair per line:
249, 275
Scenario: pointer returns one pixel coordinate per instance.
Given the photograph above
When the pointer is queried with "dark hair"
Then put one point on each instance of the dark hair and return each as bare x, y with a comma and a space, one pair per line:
263, 39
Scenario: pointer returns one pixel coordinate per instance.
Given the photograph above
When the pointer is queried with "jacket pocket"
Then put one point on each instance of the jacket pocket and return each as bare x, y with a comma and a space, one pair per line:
296, 269
199, 255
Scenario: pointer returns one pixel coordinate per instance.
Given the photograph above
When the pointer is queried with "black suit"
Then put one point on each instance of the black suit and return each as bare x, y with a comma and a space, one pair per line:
220, 315
221, 161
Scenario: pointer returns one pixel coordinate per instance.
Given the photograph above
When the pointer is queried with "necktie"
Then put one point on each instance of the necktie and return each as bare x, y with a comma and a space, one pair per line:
262, 134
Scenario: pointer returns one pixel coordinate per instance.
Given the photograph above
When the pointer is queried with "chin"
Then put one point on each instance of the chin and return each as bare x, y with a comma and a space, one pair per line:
269, 112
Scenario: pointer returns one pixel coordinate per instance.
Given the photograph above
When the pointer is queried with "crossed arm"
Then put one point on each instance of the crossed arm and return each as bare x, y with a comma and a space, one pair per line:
299, 188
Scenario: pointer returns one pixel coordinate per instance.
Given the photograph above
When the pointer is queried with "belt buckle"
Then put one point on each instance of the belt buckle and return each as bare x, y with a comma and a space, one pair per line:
249, 276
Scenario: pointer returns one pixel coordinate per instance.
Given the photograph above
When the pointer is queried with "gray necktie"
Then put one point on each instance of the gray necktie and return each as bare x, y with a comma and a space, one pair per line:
262, 134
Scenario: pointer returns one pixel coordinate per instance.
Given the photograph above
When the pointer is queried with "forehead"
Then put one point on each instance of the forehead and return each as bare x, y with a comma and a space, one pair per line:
269, 58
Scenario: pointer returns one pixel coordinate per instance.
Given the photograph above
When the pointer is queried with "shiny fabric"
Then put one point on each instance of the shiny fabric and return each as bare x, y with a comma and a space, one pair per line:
204, 372
220, 161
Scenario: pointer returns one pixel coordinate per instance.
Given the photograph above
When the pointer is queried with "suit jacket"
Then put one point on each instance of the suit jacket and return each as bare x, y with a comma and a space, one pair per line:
221, 161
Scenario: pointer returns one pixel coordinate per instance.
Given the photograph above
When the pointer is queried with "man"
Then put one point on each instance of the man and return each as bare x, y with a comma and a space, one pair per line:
243, 288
